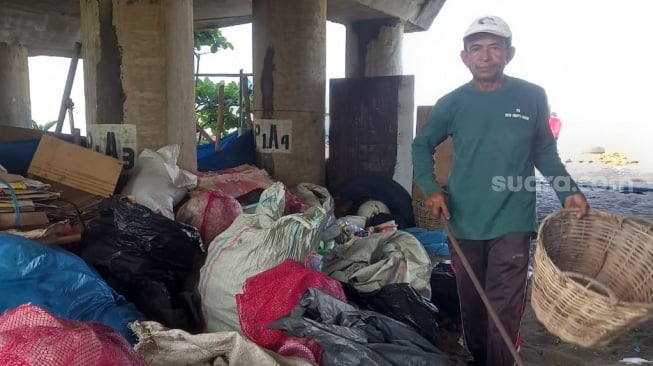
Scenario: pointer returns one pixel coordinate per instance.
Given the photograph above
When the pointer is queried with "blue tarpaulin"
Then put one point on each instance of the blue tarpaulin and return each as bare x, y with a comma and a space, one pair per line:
234, 151
15, 156
434, 241
61, 283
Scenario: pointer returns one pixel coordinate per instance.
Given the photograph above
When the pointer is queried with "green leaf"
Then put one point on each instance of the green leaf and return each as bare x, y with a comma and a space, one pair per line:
206, 91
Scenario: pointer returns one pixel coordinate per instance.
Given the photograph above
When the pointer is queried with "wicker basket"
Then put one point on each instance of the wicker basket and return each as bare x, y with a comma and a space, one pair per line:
593, 278
424, 218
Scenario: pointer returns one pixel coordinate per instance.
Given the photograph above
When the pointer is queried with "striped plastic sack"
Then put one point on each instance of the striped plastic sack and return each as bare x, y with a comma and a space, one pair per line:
252, 244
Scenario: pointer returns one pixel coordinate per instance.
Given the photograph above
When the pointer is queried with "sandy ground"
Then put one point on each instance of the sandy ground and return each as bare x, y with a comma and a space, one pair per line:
540, 347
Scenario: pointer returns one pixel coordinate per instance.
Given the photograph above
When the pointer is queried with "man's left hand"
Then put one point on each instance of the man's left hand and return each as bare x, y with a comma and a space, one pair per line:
577, 201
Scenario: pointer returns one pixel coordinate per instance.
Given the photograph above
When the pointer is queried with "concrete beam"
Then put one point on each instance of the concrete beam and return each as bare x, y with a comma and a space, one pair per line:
427, 14
417, 14
52, 34
224, 13
51, 27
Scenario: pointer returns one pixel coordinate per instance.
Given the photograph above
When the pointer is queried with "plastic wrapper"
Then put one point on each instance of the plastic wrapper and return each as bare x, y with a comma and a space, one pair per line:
400, 302
350, 336
444, 291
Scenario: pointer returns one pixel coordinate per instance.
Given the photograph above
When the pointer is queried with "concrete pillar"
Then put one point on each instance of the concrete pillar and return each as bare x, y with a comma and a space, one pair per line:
15, 109
138, 69
289, 41
374, 48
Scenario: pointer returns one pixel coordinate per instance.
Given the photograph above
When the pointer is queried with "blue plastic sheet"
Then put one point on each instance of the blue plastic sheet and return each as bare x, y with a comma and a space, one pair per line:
15, 156
234, 151
61, 283
434, 241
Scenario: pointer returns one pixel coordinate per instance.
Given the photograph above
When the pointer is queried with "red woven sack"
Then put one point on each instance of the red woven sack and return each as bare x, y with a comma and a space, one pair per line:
212, 212
272, 294
30, 336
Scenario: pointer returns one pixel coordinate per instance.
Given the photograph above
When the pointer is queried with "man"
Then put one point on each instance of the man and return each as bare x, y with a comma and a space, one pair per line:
555, 124
500, 133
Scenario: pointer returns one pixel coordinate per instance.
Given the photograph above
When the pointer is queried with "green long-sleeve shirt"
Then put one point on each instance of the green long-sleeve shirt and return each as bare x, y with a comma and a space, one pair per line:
499, 138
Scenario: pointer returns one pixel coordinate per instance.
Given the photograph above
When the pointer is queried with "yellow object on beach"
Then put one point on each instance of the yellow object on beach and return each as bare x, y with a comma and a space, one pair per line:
614, 158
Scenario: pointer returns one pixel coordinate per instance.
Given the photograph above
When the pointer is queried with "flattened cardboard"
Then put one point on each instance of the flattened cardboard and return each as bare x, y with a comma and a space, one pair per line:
11, 178
75, 166
27, 220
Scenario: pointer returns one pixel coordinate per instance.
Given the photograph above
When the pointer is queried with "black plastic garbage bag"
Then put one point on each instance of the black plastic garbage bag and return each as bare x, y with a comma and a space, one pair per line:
444, 293
350, 336
401, 302
147, 258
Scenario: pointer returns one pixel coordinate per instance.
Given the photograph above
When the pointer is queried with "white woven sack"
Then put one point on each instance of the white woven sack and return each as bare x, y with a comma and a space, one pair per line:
252, 244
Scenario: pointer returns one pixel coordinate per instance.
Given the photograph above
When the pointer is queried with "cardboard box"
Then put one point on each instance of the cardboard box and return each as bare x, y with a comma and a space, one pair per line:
75, 166
443, 154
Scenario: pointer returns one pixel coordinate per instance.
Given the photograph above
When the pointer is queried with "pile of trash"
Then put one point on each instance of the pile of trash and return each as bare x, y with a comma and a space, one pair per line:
222, 267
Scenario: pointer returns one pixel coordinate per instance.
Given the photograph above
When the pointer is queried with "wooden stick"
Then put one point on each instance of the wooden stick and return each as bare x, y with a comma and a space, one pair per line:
247, 108
218, 129
76, 135
202, 132
77, 50
71, 105
481, 292
62, 240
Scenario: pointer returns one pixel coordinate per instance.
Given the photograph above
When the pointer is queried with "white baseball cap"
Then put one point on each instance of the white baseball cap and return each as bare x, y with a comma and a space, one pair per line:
489, 24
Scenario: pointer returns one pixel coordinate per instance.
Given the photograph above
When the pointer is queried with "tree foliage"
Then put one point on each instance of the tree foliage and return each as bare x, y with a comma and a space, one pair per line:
211, 38
45, 127
206, 91
206, 105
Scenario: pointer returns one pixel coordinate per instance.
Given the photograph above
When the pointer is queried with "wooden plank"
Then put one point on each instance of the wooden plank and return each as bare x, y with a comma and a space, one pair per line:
75, 166
220, 123
443, 153
10, 133
247, 105
362, 127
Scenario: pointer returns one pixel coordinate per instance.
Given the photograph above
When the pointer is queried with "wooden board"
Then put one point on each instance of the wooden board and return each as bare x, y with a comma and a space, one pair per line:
75, 166
443, 154
362, 127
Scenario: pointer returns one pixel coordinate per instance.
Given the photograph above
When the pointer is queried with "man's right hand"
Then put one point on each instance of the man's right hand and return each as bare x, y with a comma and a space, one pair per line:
437, 204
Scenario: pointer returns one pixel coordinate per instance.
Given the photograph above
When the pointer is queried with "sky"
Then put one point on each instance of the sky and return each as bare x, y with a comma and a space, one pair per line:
592, 57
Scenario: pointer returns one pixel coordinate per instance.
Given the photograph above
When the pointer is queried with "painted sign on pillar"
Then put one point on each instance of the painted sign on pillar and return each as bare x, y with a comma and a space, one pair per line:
117, 140
273, 136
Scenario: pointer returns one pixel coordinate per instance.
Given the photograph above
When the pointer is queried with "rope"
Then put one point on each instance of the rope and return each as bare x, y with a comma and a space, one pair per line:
14, 199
